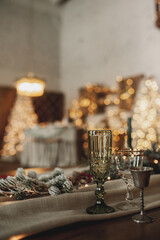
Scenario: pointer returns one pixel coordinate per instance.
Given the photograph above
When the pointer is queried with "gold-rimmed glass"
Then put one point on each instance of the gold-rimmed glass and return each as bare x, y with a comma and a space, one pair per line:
100, 154
126, 159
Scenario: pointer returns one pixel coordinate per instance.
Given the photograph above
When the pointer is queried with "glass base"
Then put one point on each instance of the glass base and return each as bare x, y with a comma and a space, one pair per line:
100, 209
142, 218
124, 206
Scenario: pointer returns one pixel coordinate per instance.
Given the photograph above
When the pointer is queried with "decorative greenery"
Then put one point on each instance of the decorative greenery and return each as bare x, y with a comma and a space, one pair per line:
152, 158
22, 186
80, 179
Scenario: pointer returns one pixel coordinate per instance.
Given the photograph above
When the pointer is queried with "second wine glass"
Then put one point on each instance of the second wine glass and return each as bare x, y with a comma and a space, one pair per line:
125, 159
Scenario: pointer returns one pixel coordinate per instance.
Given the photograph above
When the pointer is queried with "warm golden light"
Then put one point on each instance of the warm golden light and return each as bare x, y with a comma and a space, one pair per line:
117, 101
30, 86
85, 102
18, 237
78, 122
146, 120
155, 161
131, 91
124, 96
107, 101
85, 145
22, 116
119, 79
116, 138
129, 81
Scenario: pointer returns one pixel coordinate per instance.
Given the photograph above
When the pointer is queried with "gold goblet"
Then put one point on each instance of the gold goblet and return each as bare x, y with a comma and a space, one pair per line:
100, 154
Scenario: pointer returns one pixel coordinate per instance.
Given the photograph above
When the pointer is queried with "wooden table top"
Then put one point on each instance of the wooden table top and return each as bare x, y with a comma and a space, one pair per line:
122, 228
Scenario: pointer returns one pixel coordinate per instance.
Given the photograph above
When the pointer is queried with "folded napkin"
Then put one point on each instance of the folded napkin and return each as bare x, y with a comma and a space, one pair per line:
44, 213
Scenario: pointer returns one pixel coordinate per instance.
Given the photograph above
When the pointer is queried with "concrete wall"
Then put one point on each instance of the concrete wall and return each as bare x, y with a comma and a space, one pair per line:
101, 39
82, 41
29, 41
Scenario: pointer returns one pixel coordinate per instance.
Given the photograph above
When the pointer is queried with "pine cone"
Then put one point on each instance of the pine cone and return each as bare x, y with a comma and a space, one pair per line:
3, 184
53, 191
67, 186
20, 177
33, 184
21, 194
44, 177
20, 171
59, 180
57, 172
11, 181
51, 183
32, 174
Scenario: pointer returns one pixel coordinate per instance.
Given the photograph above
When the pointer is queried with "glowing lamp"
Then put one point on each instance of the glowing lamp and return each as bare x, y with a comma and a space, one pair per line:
30, 86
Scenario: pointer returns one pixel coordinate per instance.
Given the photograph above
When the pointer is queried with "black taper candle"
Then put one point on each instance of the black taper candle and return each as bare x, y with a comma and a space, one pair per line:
129, 131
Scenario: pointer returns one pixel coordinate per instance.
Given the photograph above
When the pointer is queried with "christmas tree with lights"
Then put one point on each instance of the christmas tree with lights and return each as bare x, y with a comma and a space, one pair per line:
146, 116
22, 116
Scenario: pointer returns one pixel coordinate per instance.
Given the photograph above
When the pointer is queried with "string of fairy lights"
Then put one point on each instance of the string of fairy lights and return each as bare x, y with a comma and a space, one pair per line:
114, 104
22, 116
138, 99
146, 116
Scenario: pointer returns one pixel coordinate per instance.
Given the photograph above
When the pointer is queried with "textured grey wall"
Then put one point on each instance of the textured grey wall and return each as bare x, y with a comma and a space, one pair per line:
29, 41
105, 38
82, 41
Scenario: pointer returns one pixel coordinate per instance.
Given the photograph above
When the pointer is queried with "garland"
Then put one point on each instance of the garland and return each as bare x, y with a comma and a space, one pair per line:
22, 186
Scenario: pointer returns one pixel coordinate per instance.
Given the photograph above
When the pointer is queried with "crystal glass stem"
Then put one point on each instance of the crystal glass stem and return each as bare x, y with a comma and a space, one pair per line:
129, 194
100, 193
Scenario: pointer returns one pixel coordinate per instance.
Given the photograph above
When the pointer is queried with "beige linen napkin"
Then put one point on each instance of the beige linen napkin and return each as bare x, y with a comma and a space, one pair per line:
39, 214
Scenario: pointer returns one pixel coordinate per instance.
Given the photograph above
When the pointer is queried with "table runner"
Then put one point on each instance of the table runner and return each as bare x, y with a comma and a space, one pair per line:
44, 213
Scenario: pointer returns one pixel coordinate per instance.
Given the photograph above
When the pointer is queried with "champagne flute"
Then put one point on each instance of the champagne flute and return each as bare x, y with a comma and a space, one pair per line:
141, 177
125, 159
100, 154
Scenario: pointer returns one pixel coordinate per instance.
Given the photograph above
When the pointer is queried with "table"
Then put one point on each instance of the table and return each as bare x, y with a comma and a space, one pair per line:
49, 147
117, 229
